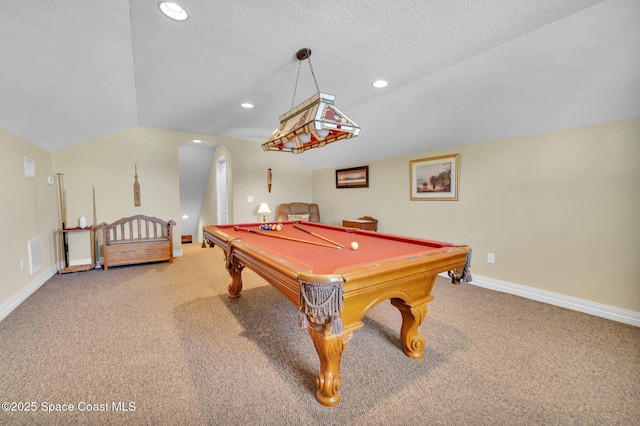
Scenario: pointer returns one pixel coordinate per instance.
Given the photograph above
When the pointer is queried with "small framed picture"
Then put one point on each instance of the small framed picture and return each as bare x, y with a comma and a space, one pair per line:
435, 178
355, 177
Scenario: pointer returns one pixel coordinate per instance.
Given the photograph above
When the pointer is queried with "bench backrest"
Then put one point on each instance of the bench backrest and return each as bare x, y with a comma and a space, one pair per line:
137, 228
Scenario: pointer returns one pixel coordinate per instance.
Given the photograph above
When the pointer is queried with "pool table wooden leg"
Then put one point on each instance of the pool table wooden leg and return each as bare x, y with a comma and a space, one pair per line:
235, 267
412, 317
329, 347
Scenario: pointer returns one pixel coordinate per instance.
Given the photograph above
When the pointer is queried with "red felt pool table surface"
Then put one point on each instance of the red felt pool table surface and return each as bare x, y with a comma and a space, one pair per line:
373, 247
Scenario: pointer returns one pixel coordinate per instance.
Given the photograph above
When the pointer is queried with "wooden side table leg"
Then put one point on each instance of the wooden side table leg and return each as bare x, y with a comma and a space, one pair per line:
59, 253
329, 347
92, 236
412, 317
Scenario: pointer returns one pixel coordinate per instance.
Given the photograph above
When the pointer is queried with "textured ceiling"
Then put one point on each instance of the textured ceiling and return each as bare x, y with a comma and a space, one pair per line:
460, 72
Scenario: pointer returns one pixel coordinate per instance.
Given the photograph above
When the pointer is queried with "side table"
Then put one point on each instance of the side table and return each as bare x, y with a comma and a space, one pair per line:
62, 257
367, 223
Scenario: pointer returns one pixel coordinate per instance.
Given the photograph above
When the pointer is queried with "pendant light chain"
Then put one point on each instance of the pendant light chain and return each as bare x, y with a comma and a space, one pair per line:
314, 75
295, 88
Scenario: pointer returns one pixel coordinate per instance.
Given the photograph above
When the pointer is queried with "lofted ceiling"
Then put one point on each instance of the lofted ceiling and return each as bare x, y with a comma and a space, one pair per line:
459, 71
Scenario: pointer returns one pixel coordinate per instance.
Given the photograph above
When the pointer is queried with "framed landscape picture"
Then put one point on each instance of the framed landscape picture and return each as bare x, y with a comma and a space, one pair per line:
355, 177
435, 178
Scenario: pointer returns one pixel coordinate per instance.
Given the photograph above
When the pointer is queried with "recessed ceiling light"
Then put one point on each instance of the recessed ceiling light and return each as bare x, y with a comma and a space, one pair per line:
173, 10
184, 216
246, 105
379, 84
197, 141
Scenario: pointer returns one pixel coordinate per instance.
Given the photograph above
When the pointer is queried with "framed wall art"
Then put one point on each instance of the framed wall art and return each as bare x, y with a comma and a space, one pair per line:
435, 178
355, 177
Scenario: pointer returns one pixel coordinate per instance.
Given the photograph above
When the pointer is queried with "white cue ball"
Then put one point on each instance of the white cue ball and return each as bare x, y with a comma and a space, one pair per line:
354, 246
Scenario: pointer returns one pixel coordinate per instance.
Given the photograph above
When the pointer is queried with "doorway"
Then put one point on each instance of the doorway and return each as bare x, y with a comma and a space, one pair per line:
222, 196
195, 160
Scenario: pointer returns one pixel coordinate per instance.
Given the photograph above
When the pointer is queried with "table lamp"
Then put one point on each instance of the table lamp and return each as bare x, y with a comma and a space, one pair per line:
263, 210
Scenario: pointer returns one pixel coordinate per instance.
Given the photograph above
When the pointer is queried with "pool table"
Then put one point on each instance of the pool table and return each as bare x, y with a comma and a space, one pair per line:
334, 287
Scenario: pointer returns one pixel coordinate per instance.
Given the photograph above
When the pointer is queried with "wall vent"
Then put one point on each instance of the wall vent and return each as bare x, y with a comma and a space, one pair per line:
29, 167
35, 255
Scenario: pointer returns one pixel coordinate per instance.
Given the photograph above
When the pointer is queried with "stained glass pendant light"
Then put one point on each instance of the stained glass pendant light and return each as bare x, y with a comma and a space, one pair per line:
314, 123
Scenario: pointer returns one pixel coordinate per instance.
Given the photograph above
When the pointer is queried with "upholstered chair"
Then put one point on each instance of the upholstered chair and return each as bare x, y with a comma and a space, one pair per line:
299, 211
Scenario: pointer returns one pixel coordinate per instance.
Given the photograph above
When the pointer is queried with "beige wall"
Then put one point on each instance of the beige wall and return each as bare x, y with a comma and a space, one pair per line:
108, 165
27, 210
29, 207
208, 211
247, 166
291, 181
560, 210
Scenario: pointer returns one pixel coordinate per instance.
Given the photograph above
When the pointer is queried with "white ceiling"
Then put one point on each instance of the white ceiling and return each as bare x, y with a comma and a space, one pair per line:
460, 71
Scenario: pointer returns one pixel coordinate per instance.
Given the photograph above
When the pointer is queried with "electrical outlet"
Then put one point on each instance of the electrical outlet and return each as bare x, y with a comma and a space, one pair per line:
491, 258
22, 264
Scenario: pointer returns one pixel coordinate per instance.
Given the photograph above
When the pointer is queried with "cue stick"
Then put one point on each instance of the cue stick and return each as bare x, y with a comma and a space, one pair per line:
95, 218
252, 231
66, 234
317, 235
63, 217
96, 247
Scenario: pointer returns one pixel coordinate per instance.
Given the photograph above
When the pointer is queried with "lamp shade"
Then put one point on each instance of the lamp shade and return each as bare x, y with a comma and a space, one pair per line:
312, 124
264, 209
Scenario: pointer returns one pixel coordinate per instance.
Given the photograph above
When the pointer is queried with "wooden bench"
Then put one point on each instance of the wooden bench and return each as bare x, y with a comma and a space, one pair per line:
136, 239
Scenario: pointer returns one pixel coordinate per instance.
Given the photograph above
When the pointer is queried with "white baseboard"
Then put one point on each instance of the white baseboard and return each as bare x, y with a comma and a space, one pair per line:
14, 301
598, 309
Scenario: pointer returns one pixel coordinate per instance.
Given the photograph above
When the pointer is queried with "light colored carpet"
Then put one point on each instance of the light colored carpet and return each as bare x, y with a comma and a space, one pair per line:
166, 338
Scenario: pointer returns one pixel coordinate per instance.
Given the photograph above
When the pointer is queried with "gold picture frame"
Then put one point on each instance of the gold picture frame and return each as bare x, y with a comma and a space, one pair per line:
435, 178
